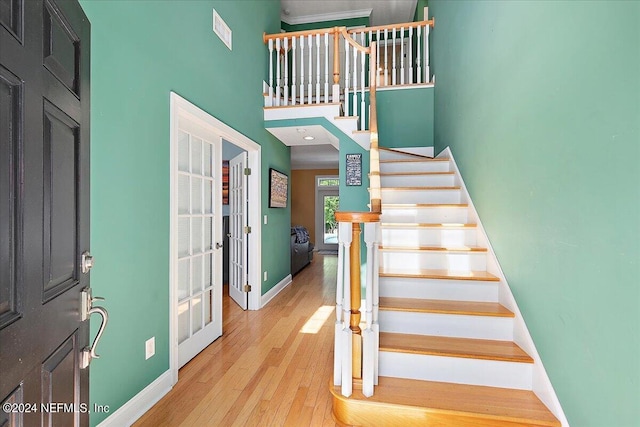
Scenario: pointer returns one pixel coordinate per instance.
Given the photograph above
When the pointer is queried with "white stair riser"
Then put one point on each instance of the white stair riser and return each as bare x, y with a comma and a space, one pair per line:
456, 370
420, 196
452, 290
417, 181
458, 261
394, 155
447, 325
439, 237
436, 215
429, 166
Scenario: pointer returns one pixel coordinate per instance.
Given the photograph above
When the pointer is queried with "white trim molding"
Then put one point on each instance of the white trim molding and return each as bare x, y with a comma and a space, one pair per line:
322, 17
131, 411
279, 287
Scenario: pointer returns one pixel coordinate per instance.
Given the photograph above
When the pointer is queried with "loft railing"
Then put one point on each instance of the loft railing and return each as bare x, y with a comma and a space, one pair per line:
323, 66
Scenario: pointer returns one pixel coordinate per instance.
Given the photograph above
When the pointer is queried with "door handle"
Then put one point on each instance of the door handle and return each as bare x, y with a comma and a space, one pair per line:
219, 245
87, 309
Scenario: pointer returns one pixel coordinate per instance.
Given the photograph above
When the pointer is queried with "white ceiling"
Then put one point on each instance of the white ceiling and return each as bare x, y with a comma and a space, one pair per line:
382, 12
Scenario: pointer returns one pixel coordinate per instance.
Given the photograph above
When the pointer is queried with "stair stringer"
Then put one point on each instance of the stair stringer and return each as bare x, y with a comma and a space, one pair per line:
542, 386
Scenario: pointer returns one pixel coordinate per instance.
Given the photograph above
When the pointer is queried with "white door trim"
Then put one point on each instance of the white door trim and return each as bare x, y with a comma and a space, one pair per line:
180, 107
319, 211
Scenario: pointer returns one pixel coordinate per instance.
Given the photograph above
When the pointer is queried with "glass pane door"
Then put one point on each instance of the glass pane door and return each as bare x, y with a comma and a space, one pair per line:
330, 206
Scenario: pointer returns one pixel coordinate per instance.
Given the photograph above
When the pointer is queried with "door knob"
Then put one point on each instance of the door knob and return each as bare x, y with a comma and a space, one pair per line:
219, 245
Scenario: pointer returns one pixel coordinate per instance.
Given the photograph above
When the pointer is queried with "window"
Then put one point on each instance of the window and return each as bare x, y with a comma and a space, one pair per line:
328, 182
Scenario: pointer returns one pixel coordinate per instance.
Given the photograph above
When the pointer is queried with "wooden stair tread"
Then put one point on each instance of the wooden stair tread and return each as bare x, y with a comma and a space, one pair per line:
418, 188
432, 249
423, 273
415, 173
423, 205
467, 348
424, 225
437, 403
427, 159
468, 308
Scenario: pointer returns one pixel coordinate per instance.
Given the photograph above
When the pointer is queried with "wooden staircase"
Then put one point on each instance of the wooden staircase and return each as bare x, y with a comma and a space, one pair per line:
447, 353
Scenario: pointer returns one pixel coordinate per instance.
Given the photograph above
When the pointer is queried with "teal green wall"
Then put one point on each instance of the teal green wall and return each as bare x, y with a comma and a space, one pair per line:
419, 13
352, 22
396, 128
540, 103
142, 50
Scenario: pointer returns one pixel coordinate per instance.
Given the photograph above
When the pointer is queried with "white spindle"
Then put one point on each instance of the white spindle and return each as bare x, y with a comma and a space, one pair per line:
326, 67
310, 84
410, 55
401, 55
362, 84
301, 70
427, 74
346, 78
278, 72
393, 76
346, 333
317, 68
270, 71
418, 65
286, 71
345, 236
355, 82
369, 348
386, 51
293, 71
376, 300
378, 57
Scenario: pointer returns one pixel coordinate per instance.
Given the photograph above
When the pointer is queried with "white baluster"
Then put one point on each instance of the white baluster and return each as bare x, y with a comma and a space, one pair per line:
286, 71
386, 66
346, 333
393, 76
376, 299
369, 348
310, 84
326, 68
317, 68
337, 348
301, 70
427, 74
346, 78
270, 71
293, 70
410, 55
278, 72
401, 55
378, 58
362, 84
355, 82
418, 65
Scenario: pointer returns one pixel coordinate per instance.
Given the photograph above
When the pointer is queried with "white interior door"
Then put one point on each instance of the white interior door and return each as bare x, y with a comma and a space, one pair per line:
197, 257
238, 234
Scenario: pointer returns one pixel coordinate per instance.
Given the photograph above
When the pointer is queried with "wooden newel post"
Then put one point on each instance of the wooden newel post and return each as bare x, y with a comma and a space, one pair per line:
356, 297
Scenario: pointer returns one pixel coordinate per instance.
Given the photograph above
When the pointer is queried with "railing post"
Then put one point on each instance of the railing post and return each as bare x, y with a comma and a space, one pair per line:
335, 90
356, 297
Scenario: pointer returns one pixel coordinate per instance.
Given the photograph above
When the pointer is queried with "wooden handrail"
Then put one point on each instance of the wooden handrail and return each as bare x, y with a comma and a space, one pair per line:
431, 22
352, 42
266, 37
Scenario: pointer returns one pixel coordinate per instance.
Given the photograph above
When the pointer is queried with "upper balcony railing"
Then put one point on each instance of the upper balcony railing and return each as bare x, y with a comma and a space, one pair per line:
326, 66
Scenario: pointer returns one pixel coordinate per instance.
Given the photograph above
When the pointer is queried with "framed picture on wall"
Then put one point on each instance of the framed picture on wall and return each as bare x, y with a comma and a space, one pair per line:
278, 189
225, 182
354, 169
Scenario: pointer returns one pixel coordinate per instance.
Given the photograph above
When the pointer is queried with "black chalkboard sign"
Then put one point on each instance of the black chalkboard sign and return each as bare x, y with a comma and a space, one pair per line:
354, 169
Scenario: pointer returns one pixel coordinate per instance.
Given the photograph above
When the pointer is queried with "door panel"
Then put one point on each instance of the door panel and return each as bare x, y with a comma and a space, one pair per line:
198, 279
44, 227
237, 224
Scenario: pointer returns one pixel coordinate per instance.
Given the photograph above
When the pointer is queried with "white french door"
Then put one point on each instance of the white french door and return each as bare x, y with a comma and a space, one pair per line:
238, 234
197, 255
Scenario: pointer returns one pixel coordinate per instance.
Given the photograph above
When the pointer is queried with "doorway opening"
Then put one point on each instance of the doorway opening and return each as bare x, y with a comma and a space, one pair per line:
196, 227
327, 203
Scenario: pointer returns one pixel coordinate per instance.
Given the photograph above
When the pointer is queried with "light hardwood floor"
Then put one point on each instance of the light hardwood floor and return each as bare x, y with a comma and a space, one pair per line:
271, 367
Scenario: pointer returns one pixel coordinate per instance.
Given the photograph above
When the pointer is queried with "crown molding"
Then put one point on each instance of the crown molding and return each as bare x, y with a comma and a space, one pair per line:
331, 16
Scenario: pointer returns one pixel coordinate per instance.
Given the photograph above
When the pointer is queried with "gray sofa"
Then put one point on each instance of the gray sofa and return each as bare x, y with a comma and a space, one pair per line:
301, 249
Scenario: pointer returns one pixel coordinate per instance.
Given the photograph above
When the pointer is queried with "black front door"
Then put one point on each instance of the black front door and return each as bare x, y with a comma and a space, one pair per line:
44, 211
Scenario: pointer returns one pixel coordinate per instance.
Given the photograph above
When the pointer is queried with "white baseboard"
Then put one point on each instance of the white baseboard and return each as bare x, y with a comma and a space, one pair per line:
275, 290
131, 411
